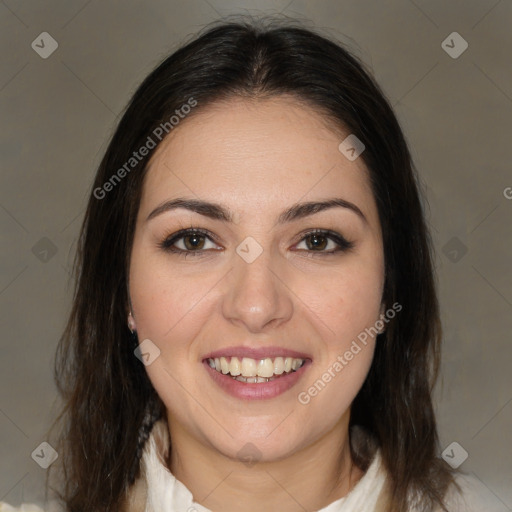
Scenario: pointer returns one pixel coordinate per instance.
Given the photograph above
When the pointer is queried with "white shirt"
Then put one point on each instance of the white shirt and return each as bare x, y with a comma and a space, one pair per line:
165, 493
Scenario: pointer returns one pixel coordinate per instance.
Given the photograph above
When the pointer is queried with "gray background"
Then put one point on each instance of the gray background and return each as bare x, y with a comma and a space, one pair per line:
58, 113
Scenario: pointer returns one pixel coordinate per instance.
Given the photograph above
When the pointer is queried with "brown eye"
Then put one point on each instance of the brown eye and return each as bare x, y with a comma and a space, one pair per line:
316, 242
325, 242
194, 241
188, 241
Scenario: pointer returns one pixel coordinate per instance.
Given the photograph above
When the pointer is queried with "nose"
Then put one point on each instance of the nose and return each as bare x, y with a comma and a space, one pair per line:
257, 295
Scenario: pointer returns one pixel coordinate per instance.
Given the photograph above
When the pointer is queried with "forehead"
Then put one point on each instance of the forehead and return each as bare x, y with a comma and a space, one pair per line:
274, 150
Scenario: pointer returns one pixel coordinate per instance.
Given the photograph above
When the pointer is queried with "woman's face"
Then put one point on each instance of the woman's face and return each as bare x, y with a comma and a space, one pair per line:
257, 286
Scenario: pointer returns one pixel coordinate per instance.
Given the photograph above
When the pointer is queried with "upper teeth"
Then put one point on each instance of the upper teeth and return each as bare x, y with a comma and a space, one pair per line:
248, 367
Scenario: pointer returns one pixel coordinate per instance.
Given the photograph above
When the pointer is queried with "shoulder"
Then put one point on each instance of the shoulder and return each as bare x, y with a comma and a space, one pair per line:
474, 496
24, 507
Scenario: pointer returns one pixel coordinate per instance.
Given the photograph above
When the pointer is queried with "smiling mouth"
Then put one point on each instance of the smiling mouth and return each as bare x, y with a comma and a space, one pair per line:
253, 371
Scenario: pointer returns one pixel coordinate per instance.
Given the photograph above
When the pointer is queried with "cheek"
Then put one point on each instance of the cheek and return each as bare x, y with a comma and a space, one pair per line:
170, 311
163, 301
337, 378
345, 307
344, 301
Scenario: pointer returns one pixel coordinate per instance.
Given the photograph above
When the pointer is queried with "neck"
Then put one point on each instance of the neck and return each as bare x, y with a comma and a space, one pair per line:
308, 479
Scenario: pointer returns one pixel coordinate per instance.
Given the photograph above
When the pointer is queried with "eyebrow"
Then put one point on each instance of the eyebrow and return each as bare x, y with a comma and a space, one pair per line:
218, 212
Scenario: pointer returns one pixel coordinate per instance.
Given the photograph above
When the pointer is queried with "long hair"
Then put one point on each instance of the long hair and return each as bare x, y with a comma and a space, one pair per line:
109, 404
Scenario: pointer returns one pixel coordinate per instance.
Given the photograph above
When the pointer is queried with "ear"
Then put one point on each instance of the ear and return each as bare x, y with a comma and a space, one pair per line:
131, 322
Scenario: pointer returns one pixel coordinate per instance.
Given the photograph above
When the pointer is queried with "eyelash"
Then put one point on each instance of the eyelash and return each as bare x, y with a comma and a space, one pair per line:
169, 241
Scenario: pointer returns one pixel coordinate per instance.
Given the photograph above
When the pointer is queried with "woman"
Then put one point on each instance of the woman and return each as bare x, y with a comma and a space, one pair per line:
255, 323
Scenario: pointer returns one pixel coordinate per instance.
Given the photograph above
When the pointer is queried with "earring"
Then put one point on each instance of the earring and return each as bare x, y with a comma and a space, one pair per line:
131, 322
133, 332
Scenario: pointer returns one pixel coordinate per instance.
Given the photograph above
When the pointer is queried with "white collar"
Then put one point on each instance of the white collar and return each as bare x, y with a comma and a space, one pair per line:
166, 492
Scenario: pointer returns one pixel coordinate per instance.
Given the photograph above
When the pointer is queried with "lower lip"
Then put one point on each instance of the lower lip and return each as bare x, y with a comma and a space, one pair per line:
256, 391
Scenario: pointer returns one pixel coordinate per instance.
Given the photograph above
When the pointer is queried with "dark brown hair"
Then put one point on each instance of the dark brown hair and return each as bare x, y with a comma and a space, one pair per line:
104, 387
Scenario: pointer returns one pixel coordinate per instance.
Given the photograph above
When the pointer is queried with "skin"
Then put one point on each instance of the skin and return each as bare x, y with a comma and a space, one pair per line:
257, 158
